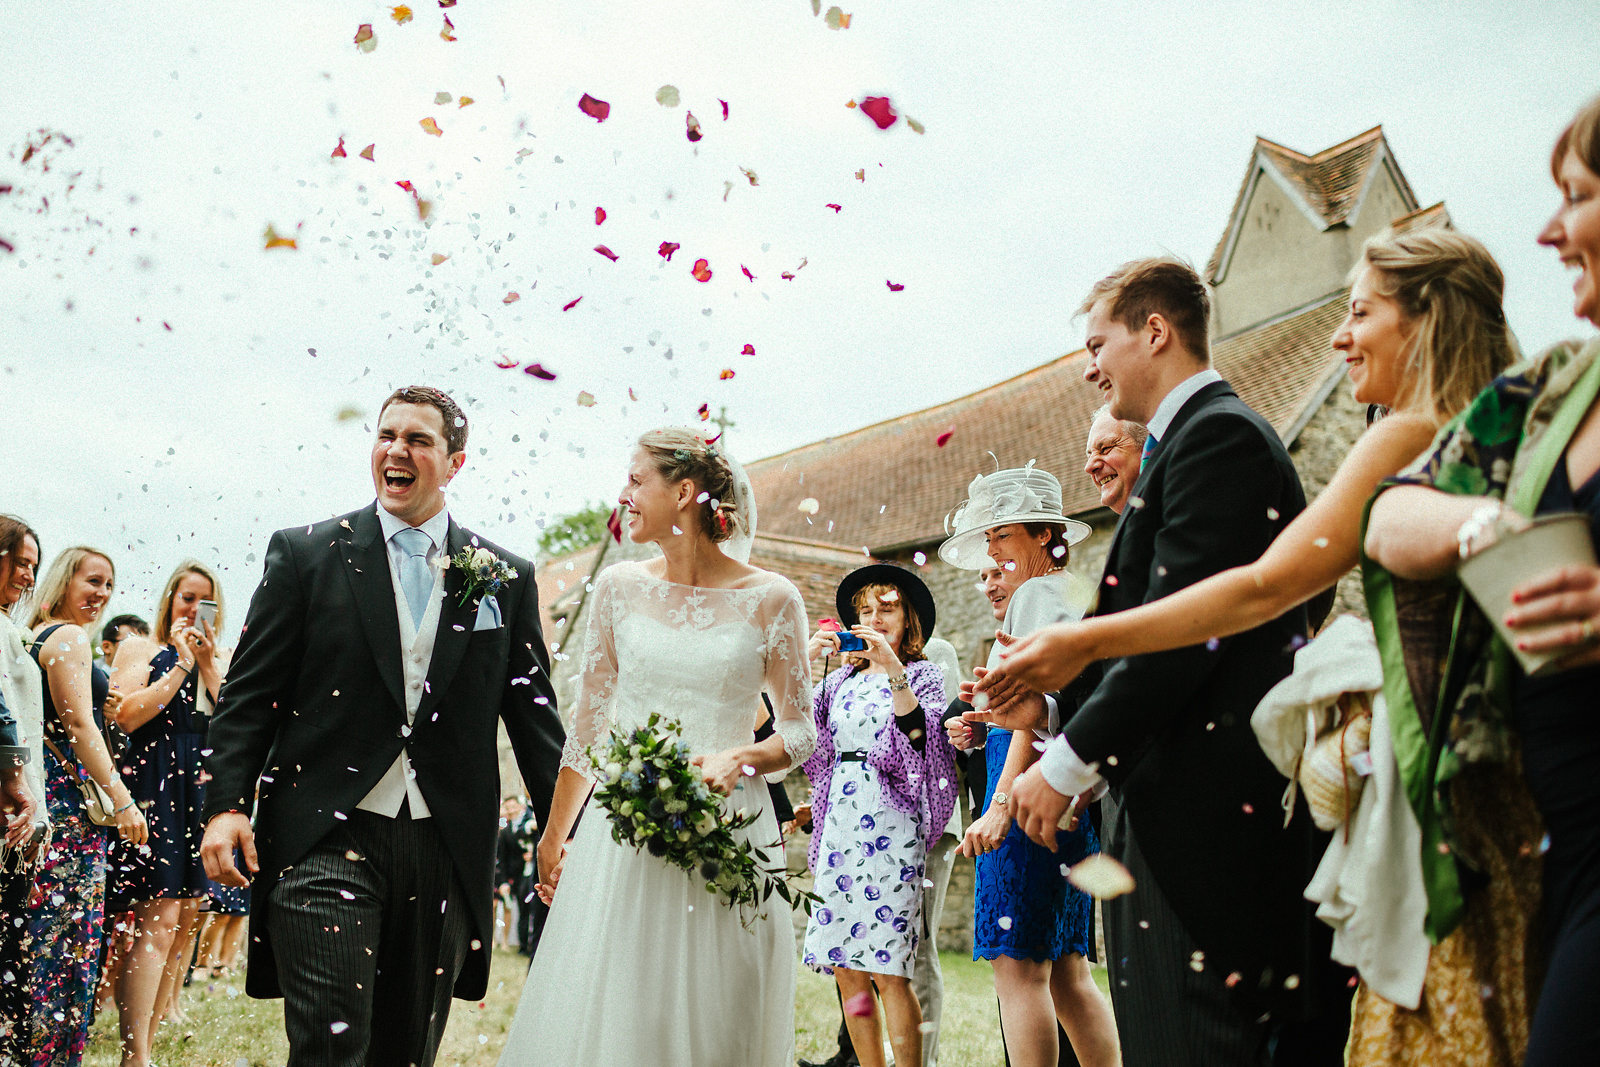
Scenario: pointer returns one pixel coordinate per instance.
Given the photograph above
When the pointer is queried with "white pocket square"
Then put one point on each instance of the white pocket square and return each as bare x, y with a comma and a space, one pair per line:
488, 615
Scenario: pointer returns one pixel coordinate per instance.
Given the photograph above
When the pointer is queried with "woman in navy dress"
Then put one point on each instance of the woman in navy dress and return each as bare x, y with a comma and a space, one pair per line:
1030, 923
169, 686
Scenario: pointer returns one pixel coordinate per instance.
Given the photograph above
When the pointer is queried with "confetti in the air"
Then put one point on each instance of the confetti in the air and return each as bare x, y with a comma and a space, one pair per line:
614, 525
442, 97
836, 207
809, 506
598, 110
725, 375
448, 33
604, 251
748, 350
438, 258
667, 96
569, 305
585, 399
366, 40
944, 436
511, 298
880, 110
705, 412
338, 150
666, 250
401, 15
724, 104
274, 239
366, 153
894, 287
431, 127
691, 126
747, 273
837, 19
1101, 877
538, 371
750, 175
702, 271
599, 215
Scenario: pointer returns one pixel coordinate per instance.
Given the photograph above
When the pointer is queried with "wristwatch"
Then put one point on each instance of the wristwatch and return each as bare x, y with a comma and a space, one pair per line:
1001, 799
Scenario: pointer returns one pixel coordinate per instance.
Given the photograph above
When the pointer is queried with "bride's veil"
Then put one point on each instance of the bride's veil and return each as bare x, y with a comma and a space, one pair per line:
738, 546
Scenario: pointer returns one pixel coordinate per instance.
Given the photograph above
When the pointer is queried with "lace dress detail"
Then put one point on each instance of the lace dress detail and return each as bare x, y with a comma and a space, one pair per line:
637, 963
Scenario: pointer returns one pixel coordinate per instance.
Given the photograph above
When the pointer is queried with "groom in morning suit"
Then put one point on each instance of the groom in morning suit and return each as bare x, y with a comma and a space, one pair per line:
363, 703
1216, 959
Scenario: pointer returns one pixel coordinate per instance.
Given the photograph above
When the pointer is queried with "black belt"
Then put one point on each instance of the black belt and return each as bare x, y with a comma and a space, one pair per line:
852, 755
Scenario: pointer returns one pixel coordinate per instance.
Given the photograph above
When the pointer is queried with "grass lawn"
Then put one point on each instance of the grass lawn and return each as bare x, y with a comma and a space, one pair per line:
227, 1029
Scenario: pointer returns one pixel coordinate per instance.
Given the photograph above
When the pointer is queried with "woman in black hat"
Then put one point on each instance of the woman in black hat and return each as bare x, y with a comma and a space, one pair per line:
884, 783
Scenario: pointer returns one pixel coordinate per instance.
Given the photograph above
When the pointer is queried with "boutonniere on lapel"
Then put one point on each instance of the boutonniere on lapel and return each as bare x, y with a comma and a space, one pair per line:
485, 572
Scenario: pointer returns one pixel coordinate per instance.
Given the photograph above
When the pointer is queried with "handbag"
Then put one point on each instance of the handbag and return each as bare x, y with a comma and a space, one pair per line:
1334, 767
101, 809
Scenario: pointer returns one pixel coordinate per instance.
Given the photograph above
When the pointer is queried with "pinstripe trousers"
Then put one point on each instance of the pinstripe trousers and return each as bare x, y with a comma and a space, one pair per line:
370, 930
1168, 1013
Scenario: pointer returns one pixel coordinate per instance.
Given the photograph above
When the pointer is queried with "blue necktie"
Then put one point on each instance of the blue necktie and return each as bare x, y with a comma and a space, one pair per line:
1149, 450
415, 580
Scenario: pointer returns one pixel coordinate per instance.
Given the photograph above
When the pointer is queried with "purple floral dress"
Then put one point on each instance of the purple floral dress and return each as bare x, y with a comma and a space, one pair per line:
876, 799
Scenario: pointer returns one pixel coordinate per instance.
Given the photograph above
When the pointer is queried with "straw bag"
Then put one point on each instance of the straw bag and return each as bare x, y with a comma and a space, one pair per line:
1334, 768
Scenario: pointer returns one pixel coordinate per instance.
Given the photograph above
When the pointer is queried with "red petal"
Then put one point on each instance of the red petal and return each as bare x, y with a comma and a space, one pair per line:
338, 151
836, 207
829, 623
693, 126
713, 440
666, 250
598, 110
366, 153
725, 375
749, 350
724, 104
604, 251
894, 287
599, 215
506, 362
407, 186
879, 110
448, 26
747, 273
614, 524
510, 298
702, 271
944, 437
538, 371
705, 412
570, 306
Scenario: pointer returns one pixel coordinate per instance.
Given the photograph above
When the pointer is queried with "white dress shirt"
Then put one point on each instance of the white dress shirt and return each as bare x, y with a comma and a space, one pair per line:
398, 787
1065, 772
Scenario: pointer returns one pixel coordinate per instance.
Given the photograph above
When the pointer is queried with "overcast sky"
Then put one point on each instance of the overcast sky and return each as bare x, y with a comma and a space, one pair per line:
174, 387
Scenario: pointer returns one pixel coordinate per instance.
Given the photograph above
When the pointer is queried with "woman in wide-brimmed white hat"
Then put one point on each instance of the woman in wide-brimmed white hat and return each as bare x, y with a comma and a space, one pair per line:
1033, 927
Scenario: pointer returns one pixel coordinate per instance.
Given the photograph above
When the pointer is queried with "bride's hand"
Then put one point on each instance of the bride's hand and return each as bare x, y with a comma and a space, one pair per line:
722, 770
551, 858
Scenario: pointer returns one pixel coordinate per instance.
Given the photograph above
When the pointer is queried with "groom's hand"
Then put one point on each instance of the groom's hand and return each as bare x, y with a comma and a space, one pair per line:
1037, 807
227, 831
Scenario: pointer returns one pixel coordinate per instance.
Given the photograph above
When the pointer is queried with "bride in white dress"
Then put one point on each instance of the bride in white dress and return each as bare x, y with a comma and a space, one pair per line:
637, 962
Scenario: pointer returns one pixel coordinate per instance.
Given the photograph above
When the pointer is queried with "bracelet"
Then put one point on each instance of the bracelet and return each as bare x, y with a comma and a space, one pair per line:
899, 683
1483, 519
131, 802
186, 670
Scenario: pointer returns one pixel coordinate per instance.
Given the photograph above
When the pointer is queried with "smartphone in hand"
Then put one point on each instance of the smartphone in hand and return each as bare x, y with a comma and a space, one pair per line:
206, 615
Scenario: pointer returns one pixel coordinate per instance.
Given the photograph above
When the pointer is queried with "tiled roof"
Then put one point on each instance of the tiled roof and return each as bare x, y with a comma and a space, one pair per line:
1330, 183
889, 486
1422, 218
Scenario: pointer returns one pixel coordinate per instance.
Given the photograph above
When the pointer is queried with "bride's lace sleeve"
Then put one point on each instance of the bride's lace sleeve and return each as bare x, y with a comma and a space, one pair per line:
597, 678
788, 677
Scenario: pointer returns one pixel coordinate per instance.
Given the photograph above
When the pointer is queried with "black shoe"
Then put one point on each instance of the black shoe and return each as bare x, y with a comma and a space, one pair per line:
839, 1059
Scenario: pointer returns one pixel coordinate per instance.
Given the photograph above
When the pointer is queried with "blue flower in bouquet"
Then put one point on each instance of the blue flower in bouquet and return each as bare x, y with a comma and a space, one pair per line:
484, 571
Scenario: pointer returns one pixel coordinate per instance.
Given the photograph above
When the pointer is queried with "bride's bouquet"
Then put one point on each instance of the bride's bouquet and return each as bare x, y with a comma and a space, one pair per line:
656, 800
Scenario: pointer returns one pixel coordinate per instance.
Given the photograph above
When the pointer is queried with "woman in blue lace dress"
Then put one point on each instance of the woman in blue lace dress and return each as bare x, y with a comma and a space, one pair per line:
1031, 924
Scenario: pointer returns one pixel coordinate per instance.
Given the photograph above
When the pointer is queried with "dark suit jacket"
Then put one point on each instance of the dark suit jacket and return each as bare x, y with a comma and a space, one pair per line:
1172, 730
312, 711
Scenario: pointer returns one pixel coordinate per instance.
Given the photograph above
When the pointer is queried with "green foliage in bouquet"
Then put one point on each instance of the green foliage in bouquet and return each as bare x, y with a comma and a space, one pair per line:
657, 801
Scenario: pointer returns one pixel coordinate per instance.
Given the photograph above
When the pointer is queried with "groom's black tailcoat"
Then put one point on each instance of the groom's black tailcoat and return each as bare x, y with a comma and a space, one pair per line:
1171, 730
312, 711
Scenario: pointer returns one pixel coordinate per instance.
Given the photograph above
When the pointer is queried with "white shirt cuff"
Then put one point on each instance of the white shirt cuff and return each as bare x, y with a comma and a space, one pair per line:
1053, 715
1066, 773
